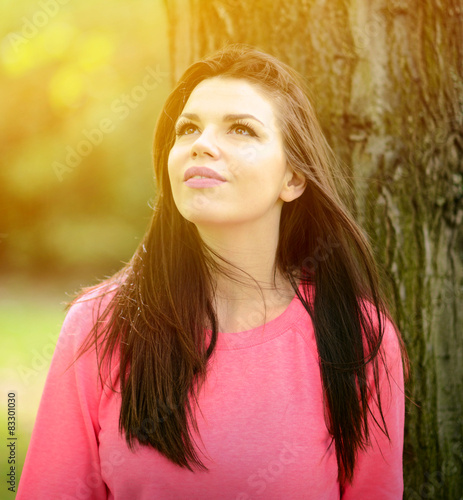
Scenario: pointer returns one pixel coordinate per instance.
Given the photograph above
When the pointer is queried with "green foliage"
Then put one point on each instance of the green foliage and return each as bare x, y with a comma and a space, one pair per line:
82, 85
30, 320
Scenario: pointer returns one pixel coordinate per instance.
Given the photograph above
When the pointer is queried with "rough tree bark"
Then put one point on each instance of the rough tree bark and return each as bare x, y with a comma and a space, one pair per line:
387, 81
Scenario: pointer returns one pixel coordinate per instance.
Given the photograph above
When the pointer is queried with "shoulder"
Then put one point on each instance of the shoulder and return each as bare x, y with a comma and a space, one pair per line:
385, 354
79, 347
90, 304
88, 313
391, 342
383, 326
390, 360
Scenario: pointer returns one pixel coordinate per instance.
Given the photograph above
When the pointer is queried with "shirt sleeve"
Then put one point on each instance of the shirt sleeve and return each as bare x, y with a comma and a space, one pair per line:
378, 471
62, 460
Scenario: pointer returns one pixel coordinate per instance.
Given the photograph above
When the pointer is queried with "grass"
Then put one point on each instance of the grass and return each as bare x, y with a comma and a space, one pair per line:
30, 321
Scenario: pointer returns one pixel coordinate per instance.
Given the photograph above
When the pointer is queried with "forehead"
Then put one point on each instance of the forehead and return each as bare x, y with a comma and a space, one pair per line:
226, 95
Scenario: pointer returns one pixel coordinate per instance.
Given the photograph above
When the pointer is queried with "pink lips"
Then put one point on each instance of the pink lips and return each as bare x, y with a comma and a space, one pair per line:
208, 177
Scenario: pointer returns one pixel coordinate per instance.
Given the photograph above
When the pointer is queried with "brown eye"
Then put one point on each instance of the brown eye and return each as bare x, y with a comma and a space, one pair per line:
188, 129
185, 129
244, 129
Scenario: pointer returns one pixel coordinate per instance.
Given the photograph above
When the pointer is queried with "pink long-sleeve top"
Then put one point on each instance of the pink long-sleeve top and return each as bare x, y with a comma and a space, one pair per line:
262, 428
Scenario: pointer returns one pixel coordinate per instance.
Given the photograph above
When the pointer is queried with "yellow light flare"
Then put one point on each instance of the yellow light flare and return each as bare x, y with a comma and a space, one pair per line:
20, 54
57, 39
66, 87
93, 51
17, 56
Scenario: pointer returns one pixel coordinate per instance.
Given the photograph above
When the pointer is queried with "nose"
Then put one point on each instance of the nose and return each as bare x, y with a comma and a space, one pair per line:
205, 145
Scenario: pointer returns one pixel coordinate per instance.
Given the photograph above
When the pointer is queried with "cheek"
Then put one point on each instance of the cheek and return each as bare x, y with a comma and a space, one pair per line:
266, 166
249, 161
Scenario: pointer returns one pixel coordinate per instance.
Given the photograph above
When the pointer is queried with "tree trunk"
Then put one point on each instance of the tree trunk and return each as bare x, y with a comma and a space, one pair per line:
387, 81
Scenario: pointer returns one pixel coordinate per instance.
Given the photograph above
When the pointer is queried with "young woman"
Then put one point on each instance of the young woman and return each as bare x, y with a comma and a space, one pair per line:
245, 351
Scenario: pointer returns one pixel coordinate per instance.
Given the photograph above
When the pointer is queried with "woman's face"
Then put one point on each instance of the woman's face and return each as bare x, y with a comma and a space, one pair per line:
228, 165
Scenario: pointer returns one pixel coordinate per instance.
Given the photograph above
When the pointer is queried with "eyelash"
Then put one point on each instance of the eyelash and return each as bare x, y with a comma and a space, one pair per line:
182, 125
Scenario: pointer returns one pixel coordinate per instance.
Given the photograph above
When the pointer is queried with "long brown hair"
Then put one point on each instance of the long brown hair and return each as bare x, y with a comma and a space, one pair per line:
162, 301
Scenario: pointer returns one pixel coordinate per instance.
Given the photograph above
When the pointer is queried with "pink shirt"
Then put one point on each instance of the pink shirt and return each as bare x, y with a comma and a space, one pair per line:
262, 427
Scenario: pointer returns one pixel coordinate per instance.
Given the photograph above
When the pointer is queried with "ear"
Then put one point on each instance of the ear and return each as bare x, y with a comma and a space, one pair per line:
294, 186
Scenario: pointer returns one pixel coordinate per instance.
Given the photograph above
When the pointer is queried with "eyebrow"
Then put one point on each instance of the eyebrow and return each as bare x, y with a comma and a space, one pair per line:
226, 118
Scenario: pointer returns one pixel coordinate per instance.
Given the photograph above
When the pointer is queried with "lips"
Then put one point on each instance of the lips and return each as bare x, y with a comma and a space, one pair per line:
202, 172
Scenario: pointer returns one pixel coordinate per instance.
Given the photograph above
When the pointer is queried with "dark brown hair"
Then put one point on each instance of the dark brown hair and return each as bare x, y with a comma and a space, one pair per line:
162, 301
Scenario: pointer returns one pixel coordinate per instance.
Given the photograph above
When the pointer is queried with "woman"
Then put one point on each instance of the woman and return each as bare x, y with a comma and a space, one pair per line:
253, 298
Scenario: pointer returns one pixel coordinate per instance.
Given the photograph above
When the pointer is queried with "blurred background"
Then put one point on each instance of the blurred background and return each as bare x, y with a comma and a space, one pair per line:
81, 86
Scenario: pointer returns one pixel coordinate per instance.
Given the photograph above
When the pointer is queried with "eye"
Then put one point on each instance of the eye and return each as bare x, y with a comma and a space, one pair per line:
243, 129
240, 128
185, 128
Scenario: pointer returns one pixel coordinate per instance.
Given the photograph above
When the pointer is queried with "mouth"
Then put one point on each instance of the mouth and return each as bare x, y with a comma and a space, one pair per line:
202, 173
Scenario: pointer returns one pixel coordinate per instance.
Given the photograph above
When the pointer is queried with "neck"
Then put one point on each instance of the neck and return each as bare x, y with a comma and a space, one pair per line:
252, 249
252, 293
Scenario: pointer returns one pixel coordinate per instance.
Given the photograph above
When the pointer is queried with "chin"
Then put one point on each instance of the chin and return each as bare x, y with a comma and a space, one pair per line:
200, 215
210, 219
204, 221
199, 208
